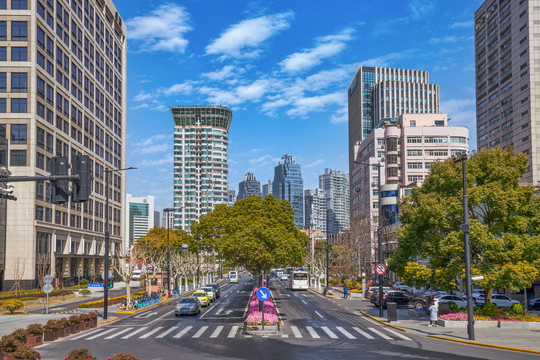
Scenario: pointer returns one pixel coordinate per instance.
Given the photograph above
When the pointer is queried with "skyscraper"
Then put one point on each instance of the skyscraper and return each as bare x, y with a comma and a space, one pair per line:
249, 186
507, 107
289, 185
315, 211
62, 79
167, 218
267, 188
231, 197
201, 170
336, 186
139, 218
156, 218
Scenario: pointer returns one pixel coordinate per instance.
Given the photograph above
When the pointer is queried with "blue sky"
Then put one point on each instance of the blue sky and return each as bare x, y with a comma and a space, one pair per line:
283, 67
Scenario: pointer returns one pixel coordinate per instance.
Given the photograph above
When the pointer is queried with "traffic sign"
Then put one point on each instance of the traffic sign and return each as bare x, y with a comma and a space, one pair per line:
263, 294
103, 274
48, 279
47, 288
380, 269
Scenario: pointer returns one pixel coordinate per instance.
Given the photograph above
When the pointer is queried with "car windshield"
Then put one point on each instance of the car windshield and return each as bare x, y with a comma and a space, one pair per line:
187, 300
200, 294
208, 289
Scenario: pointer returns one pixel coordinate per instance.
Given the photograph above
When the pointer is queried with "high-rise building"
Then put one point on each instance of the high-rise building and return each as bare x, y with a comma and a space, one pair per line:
201, 170
315, 211
156, 218
405, 148
231, 197
167, 212
289, 185
336, 186
63, 93
249, 186
139, 218
507, 107
267, 188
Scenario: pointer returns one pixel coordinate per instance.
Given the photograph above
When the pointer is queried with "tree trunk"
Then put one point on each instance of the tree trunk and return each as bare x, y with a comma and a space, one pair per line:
194, 282
488, 293
128, 291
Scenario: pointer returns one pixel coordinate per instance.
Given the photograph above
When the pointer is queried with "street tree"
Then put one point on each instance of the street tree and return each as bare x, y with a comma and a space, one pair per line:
126, 265
504, 223
154, 251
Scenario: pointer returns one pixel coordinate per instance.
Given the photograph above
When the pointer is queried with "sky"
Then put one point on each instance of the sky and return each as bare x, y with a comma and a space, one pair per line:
283, 67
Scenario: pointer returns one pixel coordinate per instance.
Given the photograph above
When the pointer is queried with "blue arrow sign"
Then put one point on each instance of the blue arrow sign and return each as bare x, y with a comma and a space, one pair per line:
263, 294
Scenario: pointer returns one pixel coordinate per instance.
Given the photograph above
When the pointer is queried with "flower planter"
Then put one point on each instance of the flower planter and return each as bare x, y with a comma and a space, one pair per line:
6, 356
519, 325
257, 329
51, 335
34, 339
486, 323
84, 325
74, 329
65, 331
93, 323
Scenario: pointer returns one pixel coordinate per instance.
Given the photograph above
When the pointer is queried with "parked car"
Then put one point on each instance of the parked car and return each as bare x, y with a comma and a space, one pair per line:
203, 297
187, 305
447, 298
398, 297
400, 286
136, 274
216, 290
284, 277
372, 289
210, 291
502, 300
533, 304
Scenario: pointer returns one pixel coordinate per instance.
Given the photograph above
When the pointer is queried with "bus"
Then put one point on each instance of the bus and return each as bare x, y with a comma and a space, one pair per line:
298, 280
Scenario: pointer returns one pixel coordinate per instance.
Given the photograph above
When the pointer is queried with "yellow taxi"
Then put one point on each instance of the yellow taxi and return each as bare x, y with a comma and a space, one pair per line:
202, 296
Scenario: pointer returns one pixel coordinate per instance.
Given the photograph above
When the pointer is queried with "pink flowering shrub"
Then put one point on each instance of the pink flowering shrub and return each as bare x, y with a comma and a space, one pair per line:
255, 316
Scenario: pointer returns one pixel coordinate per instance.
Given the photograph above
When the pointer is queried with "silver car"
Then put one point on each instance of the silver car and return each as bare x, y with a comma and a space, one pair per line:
187, 306
210, 291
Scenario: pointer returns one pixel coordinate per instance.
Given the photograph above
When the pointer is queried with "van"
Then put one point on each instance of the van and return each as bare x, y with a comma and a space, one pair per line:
233, 276
136, 275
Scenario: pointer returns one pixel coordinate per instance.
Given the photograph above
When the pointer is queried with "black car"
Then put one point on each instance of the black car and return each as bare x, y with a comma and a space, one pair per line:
533, 304
400, 298
216, 289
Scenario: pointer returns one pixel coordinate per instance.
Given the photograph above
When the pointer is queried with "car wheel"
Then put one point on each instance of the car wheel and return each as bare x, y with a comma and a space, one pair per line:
176, 315
418, 305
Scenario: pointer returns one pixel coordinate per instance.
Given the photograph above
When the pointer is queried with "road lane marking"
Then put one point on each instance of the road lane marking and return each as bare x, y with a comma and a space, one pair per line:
304, 302
398, 335
181, 333
384, 336
219, 311
316, 312
296, 332
312, 332
134, 333
285, 336
165, 333
363, 333
83, 335
329, 332
152, 332
345, 332
233, 331
200, 332
216, 332
101, 333
118, 333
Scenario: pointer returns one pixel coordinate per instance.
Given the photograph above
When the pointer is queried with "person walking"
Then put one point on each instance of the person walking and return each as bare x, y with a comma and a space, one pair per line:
345, 292
433, 314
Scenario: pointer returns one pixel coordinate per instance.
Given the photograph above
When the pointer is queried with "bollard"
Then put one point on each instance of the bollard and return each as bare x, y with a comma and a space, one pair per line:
391, 311
444, 308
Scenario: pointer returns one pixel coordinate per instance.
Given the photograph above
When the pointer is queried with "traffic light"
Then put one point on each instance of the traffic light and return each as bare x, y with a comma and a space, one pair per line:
82, 188
111, 284
60, 166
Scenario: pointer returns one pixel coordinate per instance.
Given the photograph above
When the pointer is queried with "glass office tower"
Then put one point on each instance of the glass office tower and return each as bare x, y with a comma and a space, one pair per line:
289, 185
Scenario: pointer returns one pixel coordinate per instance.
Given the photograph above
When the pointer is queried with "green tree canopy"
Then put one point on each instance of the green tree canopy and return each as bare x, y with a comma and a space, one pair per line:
504, 223
255, 233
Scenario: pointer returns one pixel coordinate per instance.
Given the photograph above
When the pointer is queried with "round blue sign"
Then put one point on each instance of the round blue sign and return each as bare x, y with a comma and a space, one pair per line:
263, 294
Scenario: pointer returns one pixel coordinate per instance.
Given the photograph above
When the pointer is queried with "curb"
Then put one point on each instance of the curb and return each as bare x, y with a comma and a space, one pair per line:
328, 296
384, 323
108, 321
484, 344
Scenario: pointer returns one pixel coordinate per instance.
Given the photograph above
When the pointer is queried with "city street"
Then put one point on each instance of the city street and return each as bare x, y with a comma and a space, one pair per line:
312, 327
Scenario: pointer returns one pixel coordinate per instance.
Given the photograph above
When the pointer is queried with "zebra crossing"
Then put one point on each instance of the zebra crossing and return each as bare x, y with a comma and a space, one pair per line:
229, 332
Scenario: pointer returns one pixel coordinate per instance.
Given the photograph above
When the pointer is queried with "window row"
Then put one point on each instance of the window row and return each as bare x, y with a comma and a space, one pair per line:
19, 30
18, 105
17, 53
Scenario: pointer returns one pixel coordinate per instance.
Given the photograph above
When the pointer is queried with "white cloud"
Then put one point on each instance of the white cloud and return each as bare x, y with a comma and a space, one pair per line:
227, 72
341, 116
304, 105
326, 47
239, 95
462, 24
143, 96
168, 159
156, 148
387, 59
162, 29
154, 139
243, 39
461, 111
176, 89
141, 106
314, 163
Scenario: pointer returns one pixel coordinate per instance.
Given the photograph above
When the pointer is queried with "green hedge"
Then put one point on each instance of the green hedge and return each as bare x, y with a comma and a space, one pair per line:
34, 294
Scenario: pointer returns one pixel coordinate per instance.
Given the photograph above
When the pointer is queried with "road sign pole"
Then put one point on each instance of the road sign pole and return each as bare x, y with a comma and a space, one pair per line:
47, 307
263, 304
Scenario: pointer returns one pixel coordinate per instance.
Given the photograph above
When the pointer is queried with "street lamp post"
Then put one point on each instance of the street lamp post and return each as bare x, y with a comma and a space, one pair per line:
168, 256
327, 262
107, 234
462, 158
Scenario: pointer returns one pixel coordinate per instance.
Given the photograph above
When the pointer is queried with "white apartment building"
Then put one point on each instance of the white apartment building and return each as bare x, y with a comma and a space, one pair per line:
315, 211
139, 218
336, 185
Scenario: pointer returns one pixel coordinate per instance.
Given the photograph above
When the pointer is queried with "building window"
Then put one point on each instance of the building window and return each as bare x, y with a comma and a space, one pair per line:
458, 139
18, 133
40, 161
413, 123
19, 4
435, 139
414, 165
19, 30
414, 140
39, 213
415, 178
19, 54
2, 105
3, 30
439, 122
17, 158
18, 105
436, 152
3, 53
3, 82
18, 82
414, 152
3, 4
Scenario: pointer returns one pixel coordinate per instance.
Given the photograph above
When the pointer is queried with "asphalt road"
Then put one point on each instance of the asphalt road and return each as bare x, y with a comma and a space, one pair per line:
313, 327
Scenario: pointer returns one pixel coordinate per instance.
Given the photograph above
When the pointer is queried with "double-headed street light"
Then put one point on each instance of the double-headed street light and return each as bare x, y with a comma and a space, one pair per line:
106, 260
462, 158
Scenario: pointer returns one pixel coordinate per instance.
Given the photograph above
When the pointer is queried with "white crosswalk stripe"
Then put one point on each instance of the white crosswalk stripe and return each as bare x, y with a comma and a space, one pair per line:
100, 334
150, 333
329, 332
216, 332
118, 333
134, 333
296, 332
312, 332
384, 336
233, 331
85, 334
346, 333
200, 332
181, 333
363, 333
167, 332
398, 335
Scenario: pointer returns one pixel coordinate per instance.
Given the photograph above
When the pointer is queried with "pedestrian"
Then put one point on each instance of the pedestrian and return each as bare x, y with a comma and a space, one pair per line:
345, 292
433, 314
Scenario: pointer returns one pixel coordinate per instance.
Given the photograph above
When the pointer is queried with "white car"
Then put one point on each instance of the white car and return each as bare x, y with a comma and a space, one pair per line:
502, 300
210, 292
284, 277
447, 298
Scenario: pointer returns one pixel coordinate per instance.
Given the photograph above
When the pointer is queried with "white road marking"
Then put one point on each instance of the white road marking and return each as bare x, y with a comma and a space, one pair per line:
219, 311
233, 331
312, 332
329, 332
304, 302
316, 312
152, 332
118, 333
216, 332
345, 332
200, 332
384, 336
398, 335
83, 335
363, 333
134, 333
101, 333
165, 333
296, 332
181, 333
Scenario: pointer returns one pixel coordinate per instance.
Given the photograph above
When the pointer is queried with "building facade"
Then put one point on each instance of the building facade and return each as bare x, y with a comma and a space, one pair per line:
267, 188
288, 185
201, 170
139, 218
62, 93
336, 186
231, 197
156, 219
167, 218
249, 186
315, 211
507, 94
405, 148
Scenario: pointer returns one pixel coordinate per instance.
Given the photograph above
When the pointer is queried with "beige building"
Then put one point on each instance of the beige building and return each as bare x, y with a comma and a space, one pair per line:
507, 88
62, 93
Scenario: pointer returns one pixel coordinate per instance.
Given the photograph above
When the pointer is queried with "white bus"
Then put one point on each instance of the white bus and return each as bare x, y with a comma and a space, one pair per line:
233, 276
298, 280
